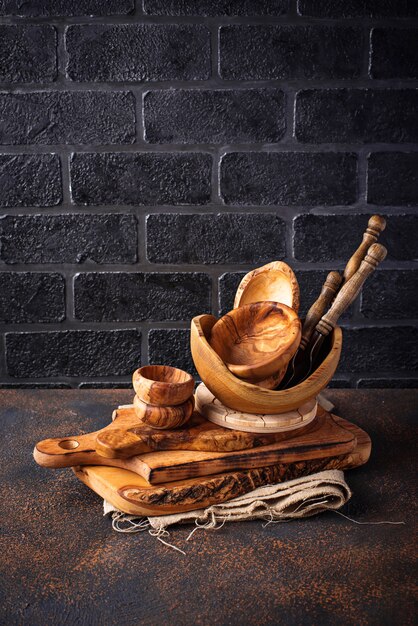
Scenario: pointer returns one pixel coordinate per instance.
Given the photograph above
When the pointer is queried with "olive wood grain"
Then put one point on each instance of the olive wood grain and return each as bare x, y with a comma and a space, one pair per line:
164, 417
332, 284
375, 226
162, 385
134, 495
257, 340
243, 396
275, 282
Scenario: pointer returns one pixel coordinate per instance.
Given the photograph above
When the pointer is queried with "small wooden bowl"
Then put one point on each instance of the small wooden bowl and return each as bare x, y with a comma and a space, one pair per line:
275, 282
163, 417
162, 385
242, 396
257, 340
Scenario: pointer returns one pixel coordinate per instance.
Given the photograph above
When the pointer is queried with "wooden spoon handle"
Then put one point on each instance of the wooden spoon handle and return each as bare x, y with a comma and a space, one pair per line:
350, 290
328, 291
375, 226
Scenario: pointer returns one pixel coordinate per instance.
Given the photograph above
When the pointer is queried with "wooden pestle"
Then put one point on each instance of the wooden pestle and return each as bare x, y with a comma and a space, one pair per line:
375, 226
328, 291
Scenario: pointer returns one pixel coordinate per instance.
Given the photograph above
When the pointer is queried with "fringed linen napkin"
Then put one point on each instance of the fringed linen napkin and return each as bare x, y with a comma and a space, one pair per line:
294, 499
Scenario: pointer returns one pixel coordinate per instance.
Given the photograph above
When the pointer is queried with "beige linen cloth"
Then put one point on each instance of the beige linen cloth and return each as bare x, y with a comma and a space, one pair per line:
294, 499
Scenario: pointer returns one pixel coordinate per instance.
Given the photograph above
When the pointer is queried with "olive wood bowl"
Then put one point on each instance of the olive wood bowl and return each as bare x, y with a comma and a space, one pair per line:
275, 281
162, 417
162, 385
257, 340
242, 396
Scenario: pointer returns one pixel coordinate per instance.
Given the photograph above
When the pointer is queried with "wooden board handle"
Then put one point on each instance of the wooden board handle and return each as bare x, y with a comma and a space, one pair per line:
350, 290
328, 291
375, 226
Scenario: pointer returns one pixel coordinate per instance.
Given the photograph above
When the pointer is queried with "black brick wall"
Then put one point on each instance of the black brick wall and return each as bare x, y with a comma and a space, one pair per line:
153, 152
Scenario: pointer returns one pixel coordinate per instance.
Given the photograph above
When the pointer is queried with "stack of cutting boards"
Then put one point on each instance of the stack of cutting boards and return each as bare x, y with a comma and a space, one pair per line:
143, 471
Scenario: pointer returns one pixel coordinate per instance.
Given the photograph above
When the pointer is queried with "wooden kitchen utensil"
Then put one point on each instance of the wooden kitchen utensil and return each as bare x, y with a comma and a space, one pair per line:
256, 340
243, 396
134, 495
163, 417
275, 282
328, 292
161, 385
214, 411
375, 226
305, 361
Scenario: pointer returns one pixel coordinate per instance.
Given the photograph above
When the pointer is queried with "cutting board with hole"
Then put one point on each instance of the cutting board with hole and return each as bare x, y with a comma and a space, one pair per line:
321, 438
132, 494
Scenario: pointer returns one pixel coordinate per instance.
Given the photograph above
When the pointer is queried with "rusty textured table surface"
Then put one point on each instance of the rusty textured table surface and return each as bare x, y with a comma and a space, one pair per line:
61, 563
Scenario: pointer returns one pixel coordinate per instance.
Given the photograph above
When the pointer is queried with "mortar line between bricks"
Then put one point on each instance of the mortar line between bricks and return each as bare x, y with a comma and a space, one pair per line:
215, 53
357, 208
366, 52
65, 84
150, 324
288, 19
284, 147
169, 268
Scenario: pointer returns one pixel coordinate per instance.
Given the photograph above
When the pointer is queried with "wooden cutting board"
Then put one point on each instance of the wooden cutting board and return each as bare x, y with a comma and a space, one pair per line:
320, 439
126, 436
134, 495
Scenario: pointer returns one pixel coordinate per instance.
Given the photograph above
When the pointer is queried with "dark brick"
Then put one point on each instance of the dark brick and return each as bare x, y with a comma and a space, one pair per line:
339, 383
392, 178
391, 294
375, 350
209, 8
228, 285
336, 237
264, 52
34, 386
358, 8
388, 383
68, 239
223, 238
73, 353
31, 297
67, 117
138, 52
289, 178
27, 53
394, 53
357, 115
30, 180
141, 178
227, 116
45, 8
171, 347
122, 297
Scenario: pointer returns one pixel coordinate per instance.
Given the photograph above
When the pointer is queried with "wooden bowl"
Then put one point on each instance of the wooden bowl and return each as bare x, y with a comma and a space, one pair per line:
243, 396
275, 282
162, 385
162, 417
257, 340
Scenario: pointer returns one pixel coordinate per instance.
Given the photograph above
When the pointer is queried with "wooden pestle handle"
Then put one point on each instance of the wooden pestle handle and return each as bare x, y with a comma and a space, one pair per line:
328, 291
350, 290
375, 226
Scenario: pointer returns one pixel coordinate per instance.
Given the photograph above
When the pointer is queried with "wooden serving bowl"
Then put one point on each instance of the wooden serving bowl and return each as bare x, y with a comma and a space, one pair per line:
163, 417
162, 385
275, 282
242, 396
257, 340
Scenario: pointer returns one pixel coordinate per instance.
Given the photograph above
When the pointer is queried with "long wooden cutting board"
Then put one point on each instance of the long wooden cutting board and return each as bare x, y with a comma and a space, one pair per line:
134, 495
323, 438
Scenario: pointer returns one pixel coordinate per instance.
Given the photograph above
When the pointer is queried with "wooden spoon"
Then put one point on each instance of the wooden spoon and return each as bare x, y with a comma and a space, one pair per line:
257, 340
